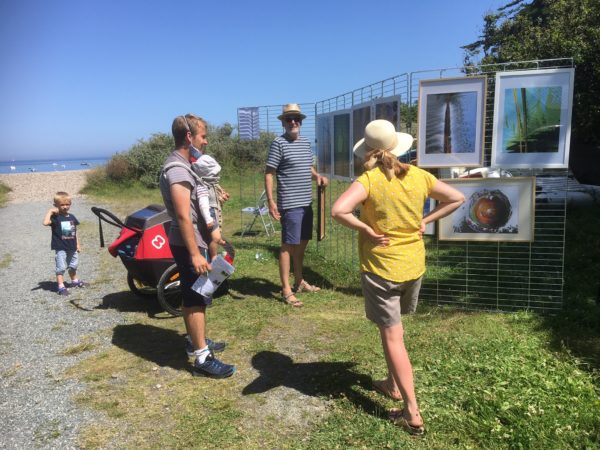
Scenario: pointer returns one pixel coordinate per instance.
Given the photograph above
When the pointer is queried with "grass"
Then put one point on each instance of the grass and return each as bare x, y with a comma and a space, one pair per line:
484, 380
4, 190
5, 260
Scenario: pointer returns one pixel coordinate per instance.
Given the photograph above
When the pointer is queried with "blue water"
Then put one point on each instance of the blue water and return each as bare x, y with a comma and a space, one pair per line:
49, 165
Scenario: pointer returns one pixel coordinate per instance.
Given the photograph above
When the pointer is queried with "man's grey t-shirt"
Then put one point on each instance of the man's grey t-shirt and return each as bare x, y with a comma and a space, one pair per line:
292, 161
181, 175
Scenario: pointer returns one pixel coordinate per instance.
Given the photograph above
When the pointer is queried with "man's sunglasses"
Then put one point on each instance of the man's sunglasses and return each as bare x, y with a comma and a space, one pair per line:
293, 119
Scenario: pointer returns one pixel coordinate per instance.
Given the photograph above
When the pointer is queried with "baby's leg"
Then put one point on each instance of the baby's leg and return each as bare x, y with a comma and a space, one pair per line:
215, 240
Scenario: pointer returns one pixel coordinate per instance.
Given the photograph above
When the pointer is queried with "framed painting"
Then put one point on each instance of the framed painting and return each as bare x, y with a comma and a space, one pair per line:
388, 108
341, 144
323, 140
427, 207
532, 125
495, 209
361, 116
451, 117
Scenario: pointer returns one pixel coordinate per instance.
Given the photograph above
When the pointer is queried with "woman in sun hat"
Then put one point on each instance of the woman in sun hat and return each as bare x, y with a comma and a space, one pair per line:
391, 249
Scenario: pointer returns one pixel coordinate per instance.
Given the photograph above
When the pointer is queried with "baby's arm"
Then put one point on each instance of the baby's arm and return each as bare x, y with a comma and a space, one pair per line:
205, 211
47, 218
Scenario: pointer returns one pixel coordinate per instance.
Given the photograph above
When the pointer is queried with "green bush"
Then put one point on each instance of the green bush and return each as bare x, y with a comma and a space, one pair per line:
118, 168
147, 157
143, 161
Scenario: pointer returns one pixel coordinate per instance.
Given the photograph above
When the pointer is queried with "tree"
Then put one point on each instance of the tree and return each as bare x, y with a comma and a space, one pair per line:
545, 29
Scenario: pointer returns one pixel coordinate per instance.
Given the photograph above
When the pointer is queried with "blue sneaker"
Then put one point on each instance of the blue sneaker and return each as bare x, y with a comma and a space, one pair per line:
213, 346
212, 368
78, 284
63, 291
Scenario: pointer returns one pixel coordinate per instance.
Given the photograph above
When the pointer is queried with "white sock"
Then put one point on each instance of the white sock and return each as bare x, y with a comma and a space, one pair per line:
202, 354
75, 281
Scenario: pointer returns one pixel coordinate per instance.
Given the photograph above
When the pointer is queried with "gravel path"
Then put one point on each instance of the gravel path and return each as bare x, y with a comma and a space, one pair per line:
37, 406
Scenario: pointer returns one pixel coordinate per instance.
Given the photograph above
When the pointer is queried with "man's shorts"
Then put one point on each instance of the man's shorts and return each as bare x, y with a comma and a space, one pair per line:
386, 300
64, 259
296, 225
187, 276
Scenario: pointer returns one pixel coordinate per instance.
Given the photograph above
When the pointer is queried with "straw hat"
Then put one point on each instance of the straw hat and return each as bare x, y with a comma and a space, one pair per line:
381, 134
291, 109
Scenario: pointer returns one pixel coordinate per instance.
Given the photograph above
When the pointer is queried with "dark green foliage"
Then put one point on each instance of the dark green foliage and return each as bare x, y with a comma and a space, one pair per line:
545, 29
147, 157
143, 161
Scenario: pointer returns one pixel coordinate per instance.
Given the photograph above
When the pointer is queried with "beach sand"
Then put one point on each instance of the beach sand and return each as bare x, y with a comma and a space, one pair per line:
27, 187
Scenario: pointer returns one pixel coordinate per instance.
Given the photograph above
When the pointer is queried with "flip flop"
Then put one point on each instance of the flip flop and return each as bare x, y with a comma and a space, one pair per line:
305, 287
381, 386
397, 417
293, 303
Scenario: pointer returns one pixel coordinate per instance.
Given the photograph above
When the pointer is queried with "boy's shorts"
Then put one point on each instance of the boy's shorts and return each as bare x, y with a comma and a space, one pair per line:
296, 225
215, 217
187, 277
66, 259
386, 300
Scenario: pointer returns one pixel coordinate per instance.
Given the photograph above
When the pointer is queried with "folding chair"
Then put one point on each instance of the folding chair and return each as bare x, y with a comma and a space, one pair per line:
260, 210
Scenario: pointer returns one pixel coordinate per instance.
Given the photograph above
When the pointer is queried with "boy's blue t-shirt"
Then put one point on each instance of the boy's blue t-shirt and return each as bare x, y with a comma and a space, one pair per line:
64, 232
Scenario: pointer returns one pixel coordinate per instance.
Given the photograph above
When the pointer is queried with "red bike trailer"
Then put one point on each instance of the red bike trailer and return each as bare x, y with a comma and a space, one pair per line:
143, 247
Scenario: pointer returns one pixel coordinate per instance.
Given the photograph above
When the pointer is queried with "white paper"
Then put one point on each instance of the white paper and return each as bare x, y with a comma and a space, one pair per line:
206, 285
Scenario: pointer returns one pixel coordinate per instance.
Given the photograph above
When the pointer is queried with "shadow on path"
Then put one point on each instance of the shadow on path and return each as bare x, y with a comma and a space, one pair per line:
163, 347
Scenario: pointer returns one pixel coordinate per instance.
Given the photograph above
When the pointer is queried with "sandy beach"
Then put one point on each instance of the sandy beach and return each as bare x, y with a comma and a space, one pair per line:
38, 186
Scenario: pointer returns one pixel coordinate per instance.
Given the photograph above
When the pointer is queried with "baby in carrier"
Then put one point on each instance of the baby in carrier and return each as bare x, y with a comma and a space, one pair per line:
210, 198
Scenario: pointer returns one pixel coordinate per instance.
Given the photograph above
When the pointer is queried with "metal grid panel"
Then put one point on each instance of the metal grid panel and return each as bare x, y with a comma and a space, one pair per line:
474, 275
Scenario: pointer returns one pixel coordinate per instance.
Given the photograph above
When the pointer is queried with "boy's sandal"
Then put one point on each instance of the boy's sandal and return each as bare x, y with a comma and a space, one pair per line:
382, 387
305, 287
397, 417
286, 298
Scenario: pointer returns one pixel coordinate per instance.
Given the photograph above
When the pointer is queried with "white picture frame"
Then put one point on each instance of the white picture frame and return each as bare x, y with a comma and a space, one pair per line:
532, 130
495, 209
451, 117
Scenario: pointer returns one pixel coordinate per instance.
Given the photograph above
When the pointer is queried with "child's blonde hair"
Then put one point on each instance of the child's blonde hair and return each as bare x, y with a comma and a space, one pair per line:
61, 196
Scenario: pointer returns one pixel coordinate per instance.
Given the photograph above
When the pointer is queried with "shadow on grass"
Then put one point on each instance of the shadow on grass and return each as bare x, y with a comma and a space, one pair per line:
161, 346
46, 286
318, 379
577, 327
255, 287
127, 301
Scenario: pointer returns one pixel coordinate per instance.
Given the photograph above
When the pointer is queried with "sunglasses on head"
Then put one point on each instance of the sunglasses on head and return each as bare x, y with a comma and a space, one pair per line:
293, 119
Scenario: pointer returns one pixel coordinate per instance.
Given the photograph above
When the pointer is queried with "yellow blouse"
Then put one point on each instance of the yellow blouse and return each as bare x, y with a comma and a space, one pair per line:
394, 208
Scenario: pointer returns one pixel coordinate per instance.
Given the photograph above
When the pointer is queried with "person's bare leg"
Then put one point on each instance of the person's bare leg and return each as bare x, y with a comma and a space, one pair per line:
398, 361
60, 280
285, 256
195, 320
213, 246
298, 260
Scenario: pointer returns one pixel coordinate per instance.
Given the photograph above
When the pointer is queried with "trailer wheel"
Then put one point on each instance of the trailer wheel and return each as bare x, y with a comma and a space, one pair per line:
169, 291
139, 288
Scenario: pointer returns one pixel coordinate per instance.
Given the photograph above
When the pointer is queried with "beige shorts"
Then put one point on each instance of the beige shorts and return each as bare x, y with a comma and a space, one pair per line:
386, 300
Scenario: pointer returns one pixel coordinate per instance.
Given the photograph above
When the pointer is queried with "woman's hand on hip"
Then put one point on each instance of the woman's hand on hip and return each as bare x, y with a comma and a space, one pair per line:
377, 239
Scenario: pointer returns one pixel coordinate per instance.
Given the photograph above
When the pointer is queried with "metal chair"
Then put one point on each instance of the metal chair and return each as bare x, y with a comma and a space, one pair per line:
260, 210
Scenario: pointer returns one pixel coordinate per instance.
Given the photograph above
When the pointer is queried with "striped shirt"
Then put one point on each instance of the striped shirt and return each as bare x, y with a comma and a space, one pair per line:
292, 161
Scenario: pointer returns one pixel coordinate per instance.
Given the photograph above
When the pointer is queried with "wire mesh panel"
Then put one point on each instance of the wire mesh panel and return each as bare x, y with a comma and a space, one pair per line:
471, 274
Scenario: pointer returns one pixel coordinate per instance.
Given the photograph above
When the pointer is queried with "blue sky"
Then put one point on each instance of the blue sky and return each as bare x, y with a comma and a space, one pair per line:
84, 78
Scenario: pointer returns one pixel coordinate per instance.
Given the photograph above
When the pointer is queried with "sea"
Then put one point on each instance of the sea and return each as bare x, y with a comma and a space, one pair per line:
50, 165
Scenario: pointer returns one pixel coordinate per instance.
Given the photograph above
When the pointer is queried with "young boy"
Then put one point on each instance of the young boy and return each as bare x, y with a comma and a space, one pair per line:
210, 198
65, 241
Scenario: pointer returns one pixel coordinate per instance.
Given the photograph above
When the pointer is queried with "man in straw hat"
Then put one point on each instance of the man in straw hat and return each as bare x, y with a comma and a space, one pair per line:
291, 160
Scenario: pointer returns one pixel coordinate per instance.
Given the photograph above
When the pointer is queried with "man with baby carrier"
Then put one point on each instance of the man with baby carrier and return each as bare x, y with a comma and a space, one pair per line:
189, 238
